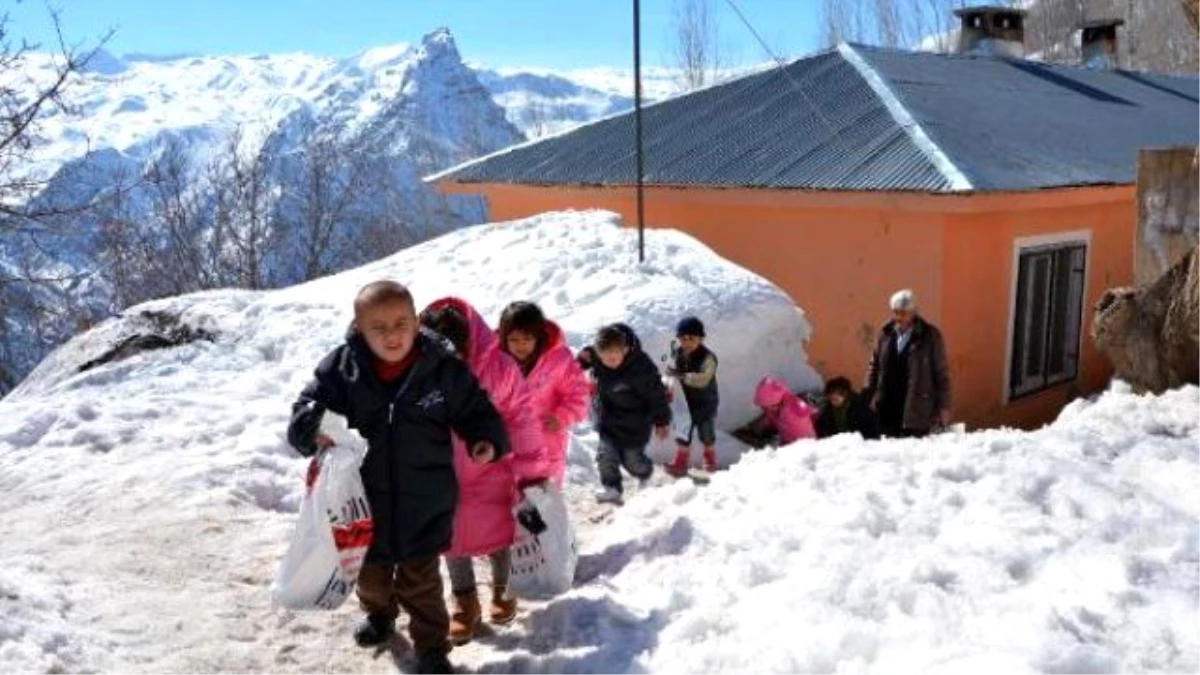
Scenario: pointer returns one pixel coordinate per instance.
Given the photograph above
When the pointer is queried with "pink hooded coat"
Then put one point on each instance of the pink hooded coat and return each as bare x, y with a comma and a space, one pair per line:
559, 388
793, 420
483, 521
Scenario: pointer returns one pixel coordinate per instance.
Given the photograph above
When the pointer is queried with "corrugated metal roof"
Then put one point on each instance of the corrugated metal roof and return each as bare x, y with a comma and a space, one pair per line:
862, 118
1018, 125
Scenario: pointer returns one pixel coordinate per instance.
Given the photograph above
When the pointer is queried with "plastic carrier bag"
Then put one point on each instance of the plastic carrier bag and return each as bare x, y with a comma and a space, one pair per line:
334, 529
544, 554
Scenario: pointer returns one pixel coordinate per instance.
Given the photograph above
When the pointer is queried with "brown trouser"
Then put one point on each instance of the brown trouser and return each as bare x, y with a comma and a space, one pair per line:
415, 585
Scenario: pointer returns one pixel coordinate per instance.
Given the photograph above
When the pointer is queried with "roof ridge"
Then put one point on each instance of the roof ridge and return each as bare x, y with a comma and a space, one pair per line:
933, 152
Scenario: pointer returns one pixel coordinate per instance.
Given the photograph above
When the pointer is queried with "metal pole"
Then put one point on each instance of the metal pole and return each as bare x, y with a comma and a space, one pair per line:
637, 125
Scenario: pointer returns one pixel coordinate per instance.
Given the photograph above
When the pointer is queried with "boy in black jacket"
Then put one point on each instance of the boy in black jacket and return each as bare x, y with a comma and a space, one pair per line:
404, 394
845, 412
695, 366
630, 401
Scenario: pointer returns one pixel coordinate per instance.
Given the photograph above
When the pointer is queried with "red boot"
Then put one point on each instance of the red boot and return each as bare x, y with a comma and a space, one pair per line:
710, 459
679, 467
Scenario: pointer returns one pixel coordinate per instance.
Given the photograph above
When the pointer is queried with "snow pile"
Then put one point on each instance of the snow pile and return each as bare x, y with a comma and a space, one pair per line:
34, 635
1071, 549
581, 267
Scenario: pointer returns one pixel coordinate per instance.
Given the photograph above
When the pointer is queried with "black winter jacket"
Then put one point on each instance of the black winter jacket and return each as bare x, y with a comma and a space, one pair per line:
859, 418
631, 399
408, 471
702, 400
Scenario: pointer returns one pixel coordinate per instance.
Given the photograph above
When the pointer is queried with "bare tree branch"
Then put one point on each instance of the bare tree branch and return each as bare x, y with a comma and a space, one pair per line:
27, 98
695, 38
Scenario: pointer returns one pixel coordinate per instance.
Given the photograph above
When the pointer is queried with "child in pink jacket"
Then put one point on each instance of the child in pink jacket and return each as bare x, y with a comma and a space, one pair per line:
561, 392
784, 412
487, 494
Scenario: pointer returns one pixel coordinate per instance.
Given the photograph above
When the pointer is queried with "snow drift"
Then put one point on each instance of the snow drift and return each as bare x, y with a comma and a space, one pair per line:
1071, 549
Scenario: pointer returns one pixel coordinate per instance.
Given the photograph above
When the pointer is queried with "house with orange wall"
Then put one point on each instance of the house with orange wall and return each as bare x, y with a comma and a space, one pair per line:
1000, 189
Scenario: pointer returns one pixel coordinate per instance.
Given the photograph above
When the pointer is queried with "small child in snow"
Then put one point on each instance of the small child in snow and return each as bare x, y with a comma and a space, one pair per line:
845, 412
784, 412
695, 366
402, 391
630, 402
559, 389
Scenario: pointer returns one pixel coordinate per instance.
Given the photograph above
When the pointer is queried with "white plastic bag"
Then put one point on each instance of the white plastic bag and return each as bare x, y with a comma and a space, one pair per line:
543, 565
334, 530
663, 449
681, 417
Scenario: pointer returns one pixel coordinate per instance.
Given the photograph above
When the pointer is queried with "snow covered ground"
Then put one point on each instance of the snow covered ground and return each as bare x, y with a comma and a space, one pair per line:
147, 501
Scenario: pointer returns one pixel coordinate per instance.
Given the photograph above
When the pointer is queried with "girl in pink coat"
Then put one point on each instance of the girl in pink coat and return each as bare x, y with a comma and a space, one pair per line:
784, 412
561, 392
487, 493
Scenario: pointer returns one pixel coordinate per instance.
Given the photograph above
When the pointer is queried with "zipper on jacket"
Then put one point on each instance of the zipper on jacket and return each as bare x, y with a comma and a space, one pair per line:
392, 477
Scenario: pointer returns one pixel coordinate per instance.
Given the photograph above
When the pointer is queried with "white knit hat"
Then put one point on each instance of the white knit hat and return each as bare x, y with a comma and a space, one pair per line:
904, 300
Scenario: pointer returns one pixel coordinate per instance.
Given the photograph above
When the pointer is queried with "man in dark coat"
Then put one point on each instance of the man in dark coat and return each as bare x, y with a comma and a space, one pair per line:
404, 393
908, 379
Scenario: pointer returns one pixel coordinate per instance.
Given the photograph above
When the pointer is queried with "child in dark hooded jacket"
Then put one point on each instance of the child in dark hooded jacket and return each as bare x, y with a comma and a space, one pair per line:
631, 403
406, 395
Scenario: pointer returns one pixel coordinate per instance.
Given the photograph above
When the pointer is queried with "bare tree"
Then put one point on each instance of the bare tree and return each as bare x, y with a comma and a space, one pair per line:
243, 197
28, 95
536, 118
906, 24
1158, 34
696, 47
180, 221
324, 196
36, 298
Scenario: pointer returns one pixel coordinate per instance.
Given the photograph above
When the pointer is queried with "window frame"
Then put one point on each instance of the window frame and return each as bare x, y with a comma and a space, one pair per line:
1032, 246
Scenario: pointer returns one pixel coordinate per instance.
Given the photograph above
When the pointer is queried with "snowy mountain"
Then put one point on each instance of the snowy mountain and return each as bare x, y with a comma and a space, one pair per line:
417, 105
125, 103
546, 104
307, 165
543, 102
149, 495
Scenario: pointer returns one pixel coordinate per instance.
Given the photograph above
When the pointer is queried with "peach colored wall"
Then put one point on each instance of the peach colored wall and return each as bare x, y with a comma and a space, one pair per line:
840, 255
839, 262
979, 315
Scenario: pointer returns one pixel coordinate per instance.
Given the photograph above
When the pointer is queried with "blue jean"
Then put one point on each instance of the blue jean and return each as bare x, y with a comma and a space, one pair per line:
706, 430
610, 459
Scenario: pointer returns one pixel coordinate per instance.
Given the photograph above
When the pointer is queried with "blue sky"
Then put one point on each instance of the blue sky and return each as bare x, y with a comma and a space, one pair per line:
550, 33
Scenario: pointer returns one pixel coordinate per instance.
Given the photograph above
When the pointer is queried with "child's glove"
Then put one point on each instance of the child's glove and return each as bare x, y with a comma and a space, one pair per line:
530, 518
306, 428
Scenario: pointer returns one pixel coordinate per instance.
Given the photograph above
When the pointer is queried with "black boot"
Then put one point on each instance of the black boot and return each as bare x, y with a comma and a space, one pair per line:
434, 661
376, 630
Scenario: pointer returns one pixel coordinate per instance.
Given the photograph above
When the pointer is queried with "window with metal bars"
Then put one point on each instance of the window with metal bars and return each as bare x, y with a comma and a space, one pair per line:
1046, 330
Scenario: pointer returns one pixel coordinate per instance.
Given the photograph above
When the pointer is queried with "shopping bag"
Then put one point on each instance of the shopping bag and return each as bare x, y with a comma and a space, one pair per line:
681, 417
544, 555
334, 528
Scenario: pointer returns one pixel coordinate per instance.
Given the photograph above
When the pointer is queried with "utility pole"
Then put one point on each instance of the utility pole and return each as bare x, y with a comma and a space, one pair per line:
637, 125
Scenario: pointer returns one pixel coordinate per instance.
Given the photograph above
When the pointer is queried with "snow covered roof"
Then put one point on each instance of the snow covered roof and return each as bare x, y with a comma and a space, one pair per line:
866, 118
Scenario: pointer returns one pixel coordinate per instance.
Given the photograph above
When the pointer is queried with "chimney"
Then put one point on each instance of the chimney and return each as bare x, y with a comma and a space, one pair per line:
991, 30
1099, 43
